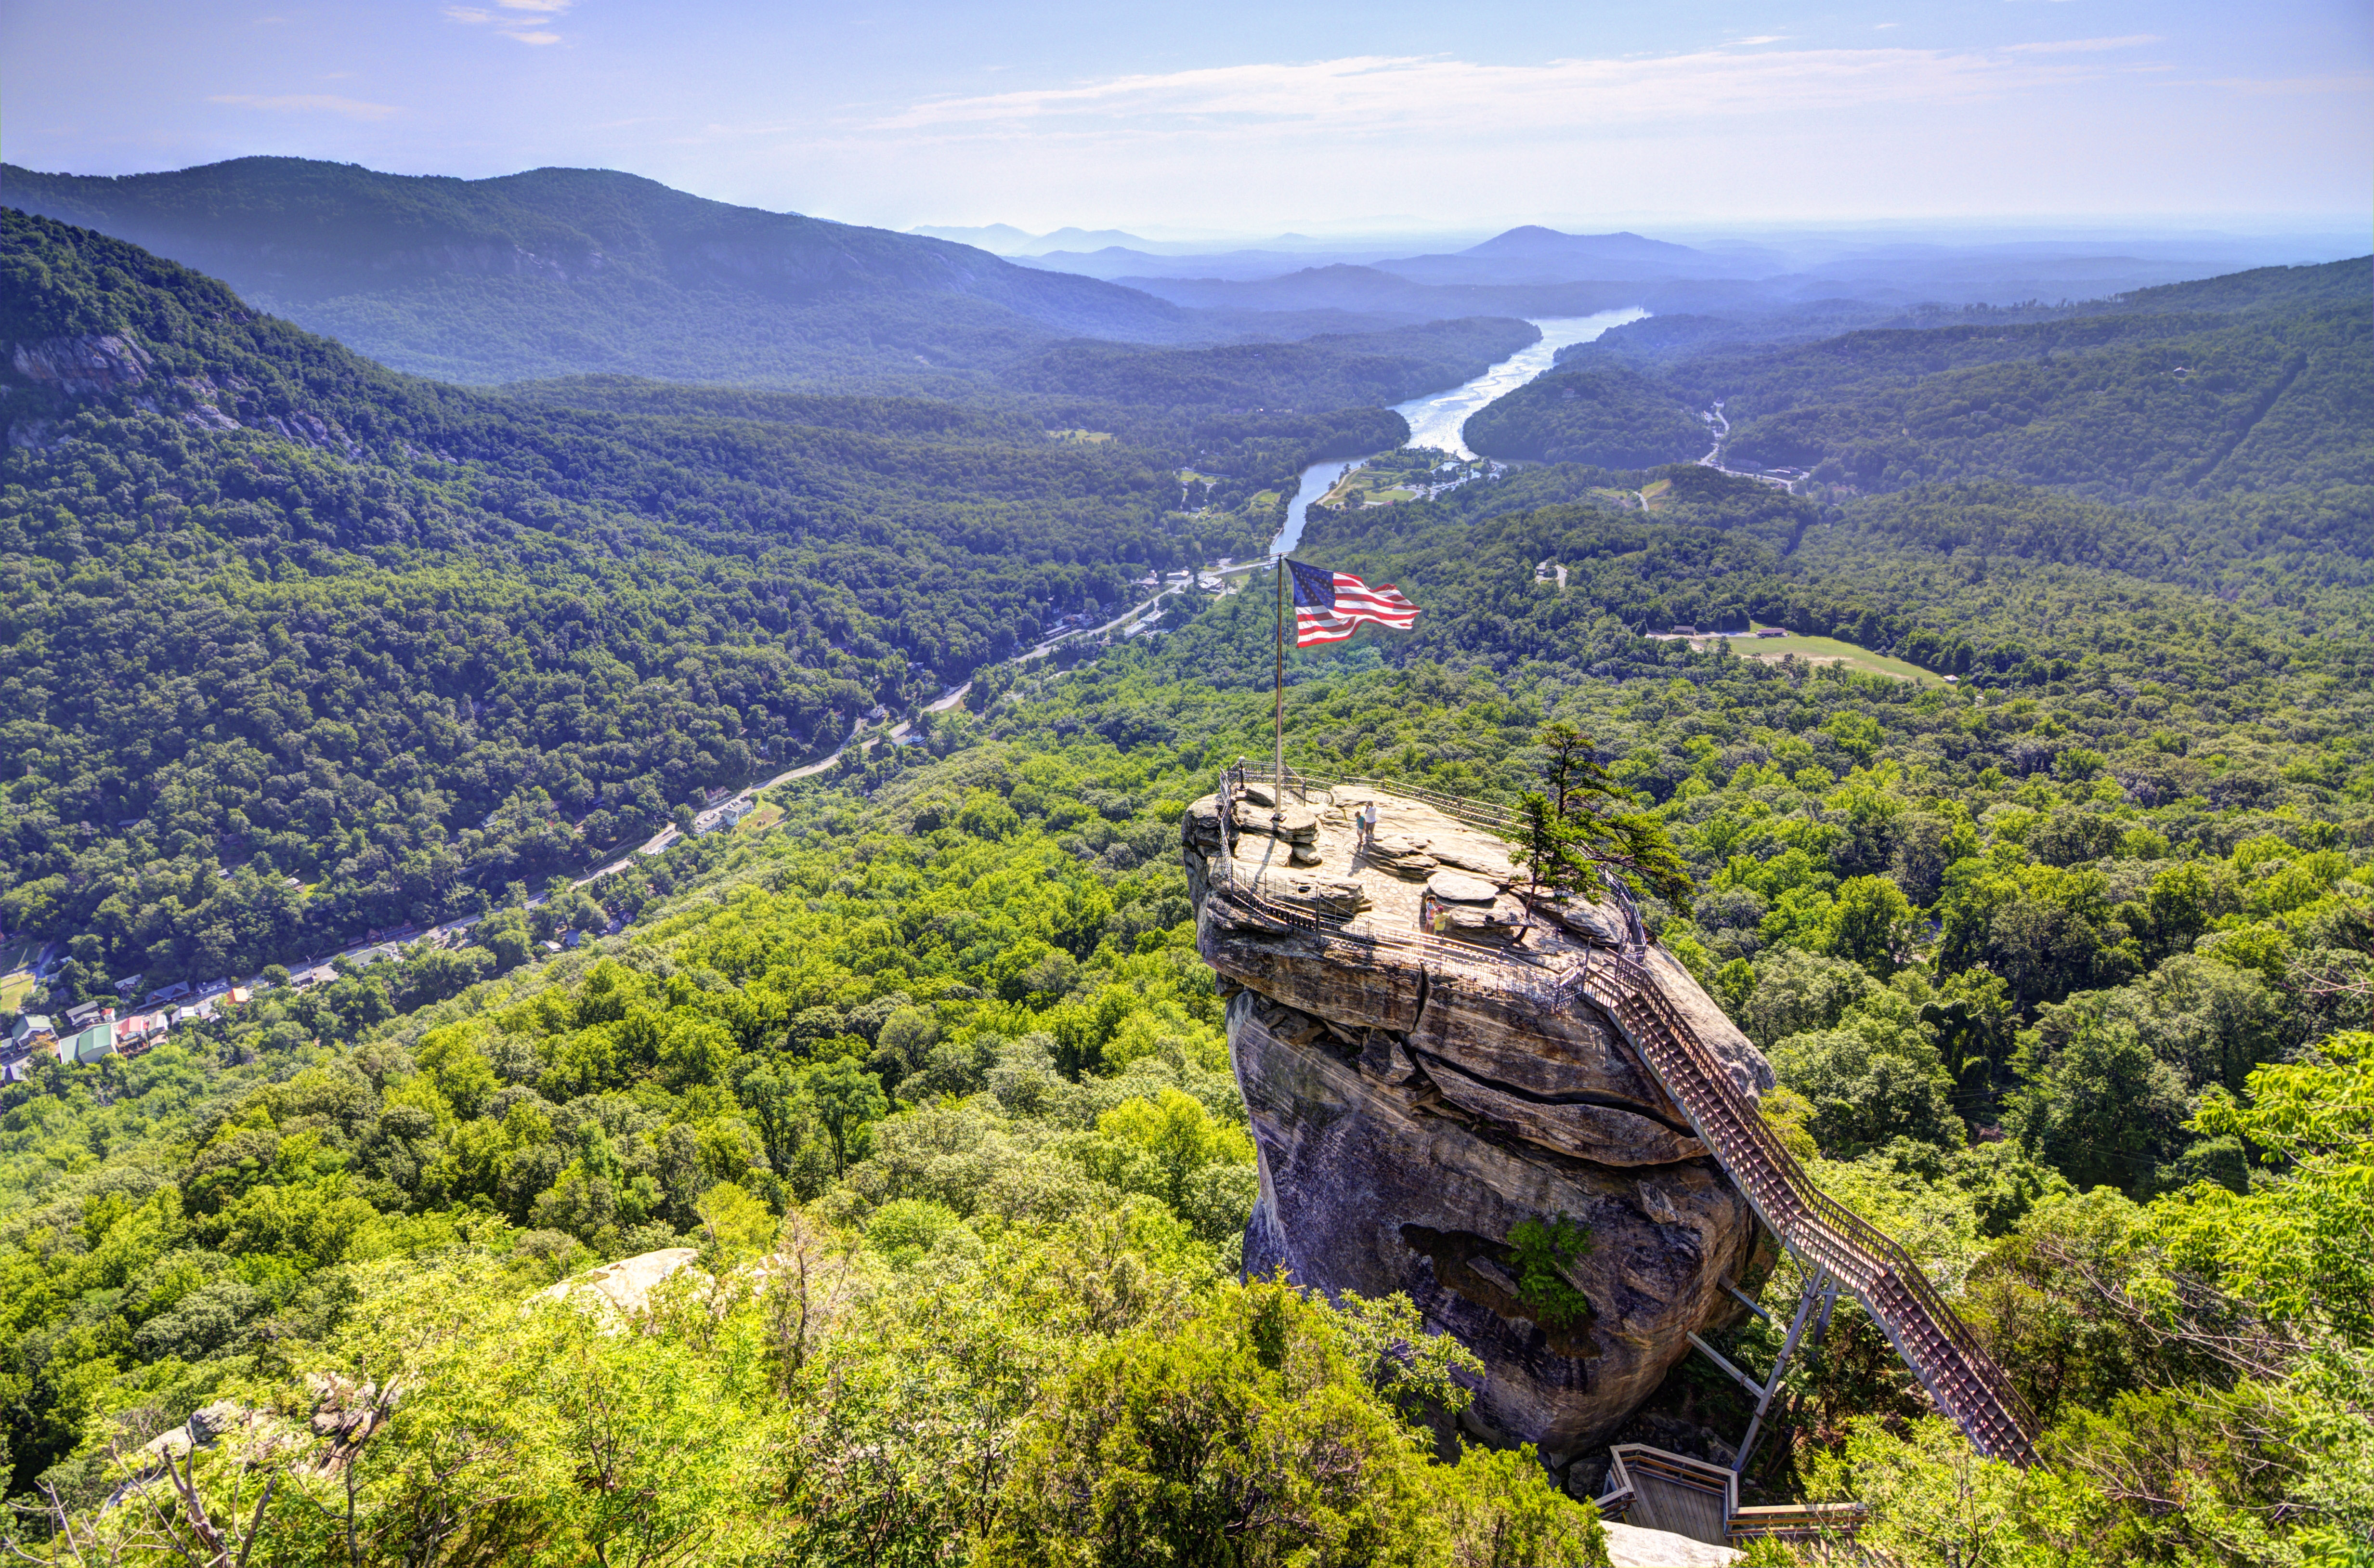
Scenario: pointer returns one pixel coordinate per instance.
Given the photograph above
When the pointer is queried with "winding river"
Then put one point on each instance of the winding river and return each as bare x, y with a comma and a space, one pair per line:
1436, 418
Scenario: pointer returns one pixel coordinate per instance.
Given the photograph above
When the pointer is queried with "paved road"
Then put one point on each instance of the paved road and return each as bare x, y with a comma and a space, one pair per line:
1713, 459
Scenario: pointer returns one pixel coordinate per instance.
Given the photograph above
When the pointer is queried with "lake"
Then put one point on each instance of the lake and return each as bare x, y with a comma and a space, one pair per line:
1435, 420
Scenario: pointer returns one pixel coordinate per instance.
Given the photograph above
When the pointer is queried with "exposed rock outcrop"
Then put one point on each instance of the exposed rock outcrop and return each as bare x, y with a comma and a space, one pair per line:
88, 366
1412, 1105
116, 365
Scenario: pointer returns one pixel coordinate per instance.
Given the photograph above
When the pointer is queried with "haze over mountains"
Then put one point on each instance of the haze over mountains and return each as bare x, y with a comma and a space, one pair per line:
570, 271
1552, 272
559, 271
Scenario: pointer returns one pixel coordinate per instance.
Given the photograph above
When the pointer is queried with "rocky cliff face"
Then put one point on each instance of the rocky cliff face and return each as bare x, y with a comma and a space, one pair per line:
1411, 1108
116, 365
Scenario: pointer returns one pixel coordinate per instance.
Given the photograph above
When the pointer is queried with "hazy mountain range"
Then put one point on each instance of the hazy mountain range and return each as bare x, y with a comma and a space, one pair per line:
575, 271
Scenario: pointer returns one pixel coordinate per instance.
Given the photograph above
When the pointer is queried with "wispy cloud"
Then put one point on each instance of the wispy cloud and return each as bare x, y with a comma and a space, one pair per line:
1400, 94
526, 21
308, 103
2082, 45
2361, 83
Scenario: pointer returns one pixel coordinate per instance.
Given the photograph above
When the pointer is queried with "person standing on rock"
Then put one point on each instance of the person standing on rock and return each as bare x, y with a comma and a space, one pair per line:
1366, 817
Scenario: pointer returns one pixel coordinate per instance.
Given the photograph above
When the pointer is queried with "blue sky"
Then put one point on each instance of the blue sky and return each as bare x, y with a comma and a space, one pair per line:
1250, 117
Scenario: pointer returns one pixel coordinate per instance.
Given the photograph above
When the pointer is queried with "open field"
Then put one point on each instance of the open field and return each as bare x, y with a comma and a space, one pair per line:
14, 989
1823, 650
1813, 650
1361, 487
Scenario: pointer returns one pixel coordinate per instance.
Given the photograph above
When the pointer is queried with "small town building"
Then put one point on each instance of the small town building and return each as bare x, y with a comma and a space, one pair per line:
139, 1031
725, 816
82, 1050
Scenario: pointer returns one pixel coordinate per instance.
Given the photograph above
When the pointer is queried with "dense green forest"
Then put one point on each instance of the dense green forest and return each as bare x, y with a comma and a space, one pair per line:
953, 1032
275, 614
2246, 384
2066, 966
1611, 417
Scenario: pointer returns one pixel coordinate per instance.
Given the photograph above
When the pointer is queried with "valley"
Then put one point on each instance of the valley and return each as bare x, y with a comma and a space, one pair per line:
713, 744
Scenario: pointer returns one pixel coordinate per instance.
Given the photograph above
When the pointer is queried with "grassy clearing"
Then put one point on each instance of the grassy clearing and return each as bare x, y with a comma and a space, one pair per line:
759, 821
1652, 494
1823, 650
14, 989
1362, 488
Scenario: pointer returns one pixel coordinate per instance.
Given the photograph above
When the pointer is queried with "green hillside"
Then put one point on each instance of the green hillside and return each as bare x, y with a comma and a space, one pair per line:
2287, 399
945, 1047
276, 615
576, 271
2252, 383
1612, 418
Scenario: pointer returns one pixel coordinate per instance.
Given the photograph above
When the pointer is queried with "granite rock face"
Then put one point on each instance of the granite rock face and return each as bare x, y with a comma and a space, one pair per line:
1410, 1109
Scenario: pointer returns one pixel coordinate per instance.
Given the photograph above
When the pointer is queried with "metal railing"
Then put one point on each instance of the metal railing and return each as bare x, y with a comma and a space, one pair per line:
1540, 982
1933, 1342
1931, 1337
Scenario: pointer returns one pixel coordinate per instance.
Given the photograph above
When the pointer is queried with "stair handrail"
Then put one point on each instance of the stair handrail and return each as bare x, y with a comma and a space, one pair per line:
1831, 1233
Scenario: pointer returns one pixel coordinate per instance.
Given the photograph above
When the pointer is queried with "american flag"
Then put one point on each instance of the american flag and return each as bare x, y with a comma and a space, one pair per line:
1329, 605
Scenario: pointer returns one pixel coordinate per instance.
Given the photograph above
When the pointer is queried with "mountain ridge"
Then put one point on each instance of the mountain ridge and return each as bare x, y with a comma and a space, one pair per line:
568, 271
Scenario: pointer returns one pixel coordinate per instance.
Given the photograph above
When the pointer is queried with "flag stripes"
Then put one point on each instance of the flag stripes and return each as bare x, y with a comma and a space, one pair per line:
1331, 605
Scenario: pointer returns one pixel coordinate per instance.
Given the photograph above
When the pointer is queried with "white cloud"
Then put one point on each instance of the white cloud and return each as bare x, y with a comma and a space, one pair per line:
1400, 95
308, 103
2082, 45
526, 21
2359, 83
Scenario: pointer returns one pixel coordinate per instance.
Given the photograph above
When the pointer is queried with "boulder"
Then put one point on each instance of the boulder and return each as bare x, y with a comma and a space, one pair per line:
1373, 1187
1341, 896
1458, 887
624, 1287
1295, 824
1412, 1102
1630, 1545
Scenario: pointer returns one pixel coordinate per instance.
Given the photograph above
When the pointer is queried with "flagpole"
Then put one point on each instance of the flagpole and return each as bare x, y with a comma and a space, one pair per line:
1277, 774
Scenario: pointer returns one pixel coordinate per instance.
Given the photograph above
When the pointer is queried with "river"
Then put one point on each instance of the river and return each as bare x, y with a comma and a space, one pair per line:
1435, 420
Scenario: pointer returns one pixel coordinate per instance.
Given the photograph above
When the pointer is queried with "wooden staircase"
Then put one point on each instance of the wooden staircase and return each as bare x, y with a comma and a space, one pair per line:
1935, 1345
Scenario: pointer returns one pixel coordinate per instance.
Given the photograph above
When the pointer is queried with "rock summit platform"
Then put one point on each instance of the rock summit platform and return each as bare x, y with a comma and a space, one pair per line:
1425, 1071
